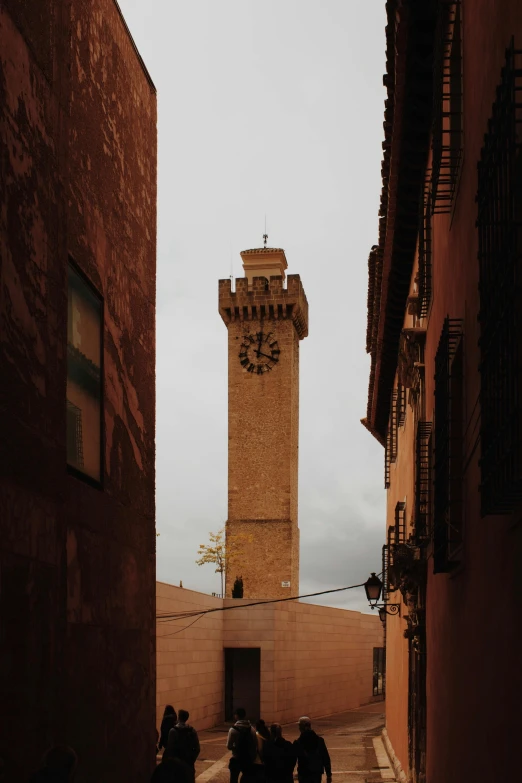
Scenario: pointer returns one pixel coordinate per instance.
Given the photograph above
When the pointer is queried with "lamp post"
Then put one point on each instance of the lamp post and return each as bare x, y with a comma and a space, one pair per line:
373, 588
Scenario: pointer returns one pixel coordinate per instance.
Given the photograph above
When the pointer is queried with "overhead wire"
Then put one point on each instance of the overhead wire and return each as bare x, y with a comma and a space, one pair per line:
168, 617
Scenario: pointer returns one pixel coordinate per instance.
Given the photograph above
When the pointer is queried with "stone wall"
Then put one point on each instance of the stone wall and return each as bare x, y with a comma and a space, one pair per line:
77, 561
263, 426
314, 659
190, 666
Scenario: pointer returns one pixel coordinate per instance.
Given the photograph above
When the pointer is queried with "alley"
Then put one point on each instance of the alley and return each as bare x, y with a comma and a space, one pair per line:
353, 739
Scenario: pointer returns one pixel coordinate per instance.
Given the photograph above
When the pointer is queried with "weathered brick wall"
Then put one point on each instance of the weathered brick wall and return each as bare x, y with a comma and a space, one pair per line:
264, 434
78, 135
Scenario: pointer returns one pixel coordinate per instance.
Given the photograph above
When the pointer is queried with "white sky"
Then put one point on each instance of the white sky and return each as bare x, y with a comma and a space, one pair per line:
276, 107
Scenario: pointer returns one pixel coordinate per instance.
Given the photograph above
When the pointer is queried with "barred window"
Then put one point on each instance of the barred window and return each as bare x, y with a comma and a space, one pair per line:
401, 402
499, 224
424, 299
400, 523
83, 405
390, 451
447, 512
393, 426
447, 110
422, 482
385, 564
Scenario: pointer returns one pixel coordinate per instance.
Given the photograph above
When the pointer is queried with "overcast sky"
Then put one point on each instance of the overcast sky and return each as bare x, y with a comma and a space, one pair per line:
276, 107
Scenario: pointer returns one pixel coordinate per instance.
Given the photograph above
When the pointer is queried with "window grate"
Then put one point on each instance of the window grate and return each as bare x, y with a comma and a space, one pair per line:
400, 523
448, 445
385, 564
422, 482
387, 452
425, 286
499, 198
393, 426
401, 417
447, 109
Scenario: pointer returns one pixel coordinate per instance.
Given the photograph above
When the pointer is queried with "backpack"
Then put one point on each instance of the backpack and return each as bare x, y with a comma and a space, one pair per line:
182, 745
245, 746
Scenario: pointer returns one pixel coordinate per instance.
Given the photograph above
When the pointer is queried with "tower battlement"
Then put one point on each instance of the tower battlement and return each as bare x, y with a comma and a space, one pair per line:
265, 299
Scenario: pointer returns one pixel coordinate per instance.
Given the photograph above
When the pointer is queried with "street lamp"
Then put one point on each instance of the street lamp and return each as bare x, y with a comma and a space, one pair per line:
373, 587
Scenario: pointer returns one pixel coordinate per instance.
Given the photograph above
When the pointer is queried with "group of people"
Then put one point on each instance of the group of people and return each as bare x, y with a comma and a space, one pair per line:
262, 755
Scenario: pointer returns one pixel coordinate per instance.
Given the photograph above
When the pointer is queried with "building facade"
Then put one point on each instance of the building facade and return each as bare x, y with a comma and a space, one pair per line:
277, 660
77, 398
265, 322
445, 391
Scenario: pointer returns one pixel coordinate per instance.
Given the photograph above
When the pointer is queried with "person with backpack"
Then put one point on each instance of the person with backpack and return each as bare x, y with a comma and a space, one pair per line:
242, 741
183, 743
262, 736
58, 766
168, 722
312, 755
280, 757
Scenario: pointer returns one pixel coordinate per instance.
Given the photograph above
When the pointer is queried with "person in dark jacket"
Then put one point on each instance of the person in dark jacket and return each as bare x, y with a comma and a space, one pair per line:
171, 771
242, 741
280, 757
183, 743
312, 755
169, 721
58, 766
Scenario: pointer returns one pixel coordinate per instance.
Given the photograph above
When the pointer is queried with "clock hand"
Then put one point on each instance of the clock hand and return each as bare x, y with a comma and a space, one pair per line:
272, 359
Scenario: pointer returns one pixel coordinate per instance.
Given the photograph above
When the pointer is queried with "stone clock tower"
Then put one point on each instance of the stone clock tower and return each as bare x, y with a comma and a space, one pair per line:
265, 322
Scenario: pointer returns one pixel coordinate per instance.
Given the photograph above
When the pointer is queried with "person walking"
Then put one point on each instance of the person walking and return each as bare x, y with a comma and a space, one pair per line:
279, 756
171, 771
169, 721
242, 741
262, 737
183, 743
58, 766
312, 755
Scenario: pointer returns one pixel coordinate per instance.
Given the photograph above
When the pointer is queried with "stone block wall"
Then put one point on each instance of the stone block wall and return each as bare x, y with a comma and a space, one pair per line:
190, 663
315, 660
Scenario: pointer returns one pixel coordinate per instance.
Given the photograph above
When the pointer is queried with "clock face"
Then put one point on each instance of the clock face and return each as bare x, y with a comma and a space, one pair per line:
259, 353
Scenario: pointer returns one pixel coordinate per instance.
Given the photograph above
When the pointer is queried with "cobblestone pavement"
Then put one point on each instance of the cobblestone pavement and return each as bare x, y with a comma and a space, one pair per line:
353, 739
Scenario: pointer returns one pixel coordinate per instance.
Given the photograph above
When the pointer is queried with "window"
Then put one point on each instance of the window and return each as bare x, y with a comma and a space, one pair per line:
401, 401
447, 110
84, 357
499, 223
378, 671
447, 512
422, 482
424, 299
400, 523
390, 451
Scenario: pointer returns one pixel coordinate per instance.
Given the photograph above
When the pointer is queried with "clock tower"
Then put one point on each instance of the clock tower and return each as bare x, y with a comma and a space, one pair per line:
266, 317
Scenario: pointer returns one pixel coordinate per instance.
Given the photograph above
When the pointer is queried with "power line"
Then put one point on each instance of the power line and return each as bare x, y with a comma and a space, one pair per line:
167, 617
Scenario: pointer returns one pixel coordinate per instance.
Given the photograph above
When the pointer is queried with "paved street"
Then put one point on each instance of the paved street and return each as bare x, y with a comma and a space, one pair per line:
353, 739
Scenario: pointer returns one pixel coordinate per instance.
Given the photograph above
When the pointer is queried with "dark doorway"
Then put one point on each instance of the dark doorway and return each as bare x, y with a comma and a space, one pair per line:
242, 681
378, 671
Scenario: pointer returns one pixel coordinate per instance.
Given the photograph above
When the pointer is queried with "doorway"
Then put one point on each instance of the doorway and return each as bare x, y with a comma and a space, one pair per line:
242, 681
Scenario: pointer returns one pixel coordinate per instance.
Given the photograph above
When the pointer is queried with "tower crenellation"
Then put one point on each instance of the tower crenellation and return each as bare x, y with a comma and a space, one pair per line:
265, 298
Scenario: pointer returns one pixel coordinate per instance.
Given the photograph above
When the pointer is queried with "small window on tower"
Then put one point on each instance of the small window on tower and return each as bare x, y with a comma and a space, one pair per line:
84, 352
